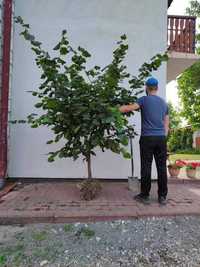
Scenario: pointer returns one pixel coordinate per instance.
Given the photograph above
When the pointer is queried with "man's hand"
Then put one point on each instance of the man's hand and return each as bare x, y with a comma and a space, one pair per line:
166, 124
124, 109
128, 108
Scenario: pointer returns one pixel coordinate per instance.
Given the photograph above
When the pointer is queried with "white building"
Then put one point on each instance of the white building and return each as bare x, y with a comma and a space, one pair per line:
95, 25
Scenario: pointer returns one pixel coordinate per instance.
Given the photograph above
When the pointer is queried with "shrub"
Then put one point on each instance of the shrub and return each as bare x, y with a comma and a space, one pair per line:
180, 139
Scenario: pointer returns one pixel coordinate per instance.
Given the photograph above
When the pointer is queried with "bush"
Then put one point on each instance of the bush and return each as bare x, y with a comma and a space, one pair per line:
189, 151
180, 139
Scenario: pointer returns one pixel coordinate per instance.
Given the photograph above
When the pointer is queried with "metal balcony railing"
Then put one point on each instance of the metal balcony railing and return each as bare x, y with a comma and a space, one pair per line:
181, 33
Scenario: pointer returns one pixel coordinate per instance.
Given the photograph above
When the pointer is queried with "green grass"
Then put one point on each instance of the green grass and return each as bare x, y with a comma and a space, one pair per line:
2, 260
41, 253
88, 233
39, 236
18, 258
68, 228
14, 252
184, 157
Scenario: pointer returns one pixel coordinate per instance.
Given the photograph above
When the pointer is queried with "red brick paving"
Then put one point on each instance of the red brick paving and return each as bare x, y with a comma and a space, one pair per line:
8, 187
60, 202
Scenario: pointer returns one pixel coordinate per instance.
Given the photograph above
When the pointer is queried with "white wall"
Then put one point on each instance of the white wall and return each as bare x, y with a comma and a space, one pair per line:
95, 25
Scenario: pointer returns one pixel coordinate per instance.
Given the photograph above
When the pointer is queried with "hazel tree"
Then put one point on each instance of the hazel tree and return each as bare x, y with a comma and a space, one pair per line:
80, 105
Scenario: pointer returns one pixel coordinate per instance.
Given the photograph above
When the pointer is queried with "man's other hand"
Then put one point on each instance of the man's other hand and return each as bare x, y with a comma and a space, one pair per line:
128, 108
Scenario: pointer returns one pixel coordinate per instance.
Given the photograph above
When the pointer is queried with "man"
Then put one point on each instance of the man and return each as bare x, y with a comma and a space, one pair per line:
155, 126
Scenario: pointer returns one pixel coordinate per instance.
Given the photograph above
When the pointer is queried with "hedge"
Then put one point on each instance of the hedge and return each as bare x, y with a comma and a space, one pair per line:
180, 139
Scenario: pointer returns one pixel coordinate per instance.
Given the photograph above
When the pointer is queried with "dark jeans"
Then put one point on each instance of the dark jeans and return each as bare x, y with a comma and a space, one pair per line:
153, 146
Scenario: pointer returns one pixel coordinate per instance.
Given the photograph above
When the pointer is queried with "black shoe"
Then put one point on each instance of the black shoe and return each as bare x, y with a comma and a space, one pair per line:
142, 198
162, 201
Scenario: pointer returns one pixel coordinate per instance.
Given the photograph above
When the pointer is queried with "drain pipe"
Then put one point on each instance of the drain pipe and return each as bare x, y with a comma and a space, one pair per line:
5, 82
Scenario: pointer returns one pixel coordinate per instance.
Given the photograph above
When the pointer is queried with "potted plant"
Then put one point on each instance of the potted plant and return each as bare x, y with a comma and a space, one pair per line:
174, 168
191, 169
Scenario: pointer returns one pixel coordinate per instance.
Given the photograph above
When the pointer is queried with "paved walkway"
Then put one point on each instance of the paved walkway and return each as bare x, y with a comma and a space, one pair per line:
60, 202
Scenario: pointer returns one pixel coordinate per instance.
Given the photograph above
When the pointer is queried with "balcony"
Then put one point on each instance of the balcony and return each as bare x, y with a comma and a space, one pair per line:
181, 45
181, 34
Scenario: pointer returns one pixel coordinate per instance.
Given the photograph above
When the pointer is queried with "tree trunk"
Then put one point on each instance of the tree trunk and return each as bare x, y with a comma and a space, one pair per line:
88, 159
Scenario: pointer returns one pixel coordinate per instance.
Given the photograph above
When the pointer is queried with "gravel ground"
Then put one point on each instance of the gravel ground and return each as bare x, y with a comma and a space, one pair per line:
144, 242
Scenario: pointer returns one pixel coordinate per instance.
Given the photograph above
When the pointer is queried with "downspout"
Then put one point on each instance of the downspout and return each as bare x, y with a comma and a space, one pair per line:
5, 82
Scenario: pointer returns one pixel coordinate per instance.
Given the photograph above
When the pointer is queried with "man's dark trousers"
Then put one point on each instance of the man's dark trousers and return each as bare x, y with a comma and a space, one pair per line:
153, 146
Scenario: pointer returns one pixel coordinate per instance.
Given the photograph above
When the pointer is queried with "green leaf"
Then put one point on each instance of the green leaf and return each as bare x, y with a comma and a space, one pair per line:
52, 103
57, 47
59, 60
61, 154
26, 26
51, 159
38, 105
77, 129
84, 52
49, 142
63, 50
108, 119
124, 140
13, 121
36, 50
36, 43
97, 68
28, 36
64, 32
22, 121
58, 137
125, 153
34, 93
34, 125
123, 37
19, 20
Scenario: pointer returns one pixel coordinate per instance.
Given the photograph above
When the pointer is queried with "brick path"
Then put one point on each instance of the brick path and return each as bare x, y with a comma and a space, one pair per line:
60, 202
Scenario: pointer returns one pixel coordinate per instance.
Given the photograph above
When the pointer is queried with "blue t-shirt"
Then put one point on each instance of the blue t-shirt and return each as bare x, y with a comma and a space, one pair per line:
153, 111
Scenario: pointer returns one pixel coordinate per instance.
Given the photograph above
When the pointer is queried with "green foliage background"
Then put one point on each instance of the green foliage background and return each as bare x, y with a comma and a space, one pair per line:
174, 116
180, 139
189, 81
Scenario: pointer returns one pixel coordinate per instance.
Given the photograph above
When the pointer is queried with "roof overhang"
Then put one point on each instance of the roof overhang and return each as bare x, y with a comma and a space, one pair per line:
169, 2
178, 63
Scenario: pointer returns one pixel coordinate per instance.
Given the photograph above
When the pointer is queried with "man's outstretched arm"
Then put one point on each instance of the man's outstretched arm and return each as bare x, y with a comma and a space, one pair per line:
128, 108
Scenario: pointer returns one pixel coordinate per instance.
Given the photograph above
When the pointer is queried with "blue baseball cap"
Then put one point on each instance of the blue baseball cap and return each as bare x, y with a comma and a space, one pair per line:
152, 82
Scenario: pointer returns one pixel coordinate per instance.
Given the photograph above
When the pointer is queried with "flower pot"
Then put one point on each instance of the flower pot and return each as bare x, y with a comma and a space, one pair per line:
133, 184
191, 173
174, 172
